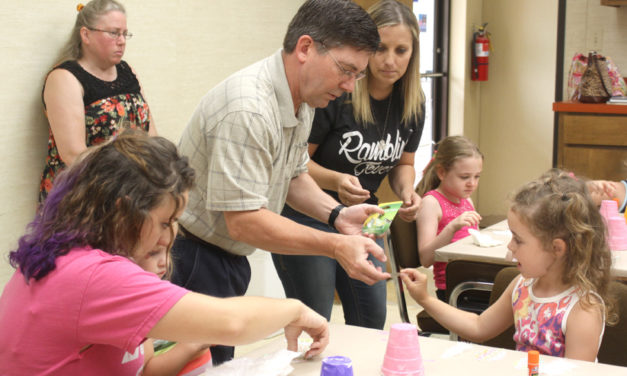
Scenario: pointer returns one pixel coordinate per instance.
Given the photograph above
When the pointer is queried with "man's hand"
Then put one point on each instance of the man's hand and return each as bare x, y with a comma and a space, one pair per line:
352, 252
351, 220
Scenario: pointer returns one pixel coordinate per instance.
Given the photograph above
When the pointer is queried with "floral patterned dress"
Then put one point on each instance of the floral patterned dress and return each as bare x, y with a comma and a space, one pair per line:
110, 107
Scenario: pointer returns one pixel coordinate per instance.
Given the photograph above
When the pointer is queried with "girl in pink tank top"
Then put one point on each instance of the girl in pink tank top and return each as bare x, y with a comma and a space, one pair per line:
446, 212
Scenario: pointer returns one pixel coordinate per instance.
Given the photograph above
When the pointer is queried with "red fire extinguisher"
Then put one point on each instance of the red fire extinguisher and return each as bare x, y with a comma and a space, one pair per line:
480, 54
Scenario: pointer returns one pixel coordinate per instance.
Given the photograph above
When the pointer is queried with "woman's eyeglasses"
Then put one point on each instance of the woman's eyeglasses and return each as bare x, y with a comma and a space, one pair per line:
114, 34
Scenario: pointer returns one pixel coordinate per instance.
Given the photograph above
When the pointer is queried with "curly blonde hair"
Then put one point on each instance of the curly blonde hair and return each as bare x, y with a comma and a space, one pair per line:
558, 206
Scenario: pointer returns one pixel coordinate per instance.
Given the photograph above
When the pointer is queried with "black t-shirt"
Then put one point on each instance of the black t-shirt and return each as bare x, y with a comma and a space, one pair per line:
348, 147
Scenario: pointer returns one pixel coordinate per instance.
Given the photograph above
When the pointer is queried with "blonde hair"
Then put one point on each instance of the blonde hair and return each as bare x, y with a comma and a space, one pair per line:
448, 151
87, 16
558, 206
391, 13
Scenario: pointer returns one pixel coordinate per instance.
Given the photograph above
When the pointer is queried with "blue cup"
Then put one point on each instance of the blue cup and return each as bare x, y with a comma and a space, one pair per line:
336, 366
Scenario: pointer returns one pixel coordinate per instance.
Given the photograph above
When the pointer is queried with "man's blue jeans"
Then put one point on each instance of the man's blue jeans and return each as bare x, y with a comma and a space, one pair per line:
313, 280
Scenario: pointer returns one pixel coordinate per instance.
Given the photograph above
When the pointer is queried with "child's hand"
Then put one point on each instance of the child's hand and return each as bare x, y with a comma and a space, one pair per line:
314, 325
601, 190
468, 218
416, 284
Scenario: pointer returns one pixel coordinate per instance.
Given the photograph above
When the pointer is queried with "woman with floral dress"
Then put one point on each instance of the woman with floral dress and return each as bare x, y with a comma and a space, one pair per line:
92, 94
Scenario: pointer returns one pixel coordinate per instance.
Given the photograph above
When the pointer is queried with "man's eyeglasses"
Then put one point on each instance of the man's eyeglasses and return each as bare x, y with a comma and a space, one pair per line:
114, 34
345, 72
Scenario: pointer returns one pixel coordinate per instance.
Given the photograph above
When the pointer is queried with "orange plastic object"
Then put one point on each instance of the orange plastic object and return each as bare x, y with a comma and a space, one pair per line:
533, 362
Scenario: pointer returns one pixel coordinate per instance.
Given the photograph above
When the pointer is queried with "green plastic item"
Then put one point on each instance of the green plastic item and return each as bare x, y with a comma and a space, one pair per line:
161, 346
378, 224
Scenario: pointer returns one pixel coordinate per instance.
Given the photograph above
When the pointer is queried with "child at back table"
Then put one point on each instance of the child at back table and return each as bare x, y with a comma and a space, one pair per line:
559, 303
179, 357
446, 212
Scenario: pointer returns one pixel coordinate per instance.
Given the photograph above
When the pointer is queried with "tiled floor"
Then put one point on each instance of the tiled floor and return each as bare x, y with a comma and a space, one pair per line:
337, 316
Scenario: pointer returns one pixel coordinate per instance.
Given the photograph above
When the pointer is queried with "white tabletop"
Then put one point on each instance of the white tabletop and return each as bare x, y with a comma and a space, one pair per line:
465, 249
366, 348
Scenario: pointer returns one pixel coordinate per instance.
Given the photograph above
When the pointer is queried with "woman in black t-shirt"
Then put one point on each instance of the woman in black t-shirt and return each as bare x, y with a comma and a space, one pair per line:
92, 94
355, 142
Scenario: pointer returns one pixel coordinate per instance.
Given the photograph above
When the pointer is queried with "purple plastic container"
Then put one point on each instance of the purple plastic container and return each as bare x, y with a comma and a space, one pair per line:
336, 366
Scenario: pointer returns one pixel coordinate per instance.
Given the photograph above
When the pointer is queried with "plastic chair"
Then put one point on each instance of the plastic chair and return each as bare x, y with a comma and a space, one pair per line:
472, 280
403, 253
612, 350
402, 245
502, 279
469, 285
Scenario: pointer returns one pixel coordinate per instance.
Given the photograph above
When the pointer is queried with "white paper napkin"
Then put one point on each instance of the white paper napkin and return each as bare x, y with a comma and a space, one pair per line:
483, 239
275, 364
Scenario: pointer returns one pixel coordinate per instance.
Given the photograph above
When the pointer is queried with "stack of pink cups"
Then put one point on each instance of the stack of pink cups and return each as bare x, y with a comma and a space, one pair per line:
402, 355
616, 226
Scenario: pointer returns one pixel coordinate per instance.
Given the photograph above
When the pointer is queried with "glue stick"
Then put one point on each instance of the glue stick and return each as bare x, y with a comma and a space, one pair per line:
533, 362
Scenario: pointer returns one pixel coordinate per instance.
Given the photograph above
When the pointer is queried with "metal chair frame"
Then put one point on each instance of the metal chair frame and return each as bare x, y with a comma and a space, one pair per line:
461, 288
396, 258
398, 283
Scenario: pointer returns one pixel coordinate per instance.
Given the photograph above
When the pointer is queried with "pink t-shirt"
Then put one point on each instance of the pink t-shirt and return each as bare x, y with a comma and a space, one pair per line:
93, 301
450, 211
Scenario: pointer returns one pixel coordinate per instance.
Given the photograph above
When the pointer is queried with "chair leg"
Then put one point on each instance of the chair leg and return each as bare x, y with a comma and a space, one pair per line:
398, 283
459, 289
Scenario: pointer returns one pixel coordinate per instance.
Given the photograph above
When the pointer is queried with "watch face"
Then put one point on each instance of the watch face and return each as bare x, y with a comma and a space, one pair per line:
378, 224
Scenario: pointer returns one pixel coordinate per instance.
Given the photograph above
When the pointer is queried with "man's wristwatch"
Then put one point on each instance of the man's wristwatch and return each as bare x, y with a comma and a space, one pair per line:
334, 213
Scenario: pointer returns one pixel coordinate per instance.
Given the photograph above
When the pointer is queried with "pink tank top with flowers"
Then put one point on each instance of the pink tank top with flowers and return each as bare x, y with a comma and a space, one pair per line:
540, 323
450, 211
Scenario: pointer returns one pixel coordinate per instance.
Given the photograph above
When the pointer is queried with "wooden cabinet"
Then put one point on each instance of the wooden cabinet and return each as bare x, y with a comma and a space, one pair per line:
614, 3
367, 3
591, 140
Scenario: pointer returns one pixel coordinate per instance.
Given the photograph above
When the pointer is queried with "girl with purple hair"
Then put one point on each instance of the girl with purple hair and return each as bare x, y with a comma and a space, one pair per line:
78, 303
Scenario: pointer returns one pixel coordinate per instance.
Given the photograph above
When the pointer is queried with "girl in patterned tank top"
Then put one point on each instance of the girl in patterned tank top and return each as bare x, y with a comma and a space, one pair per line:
560, 302
446, 212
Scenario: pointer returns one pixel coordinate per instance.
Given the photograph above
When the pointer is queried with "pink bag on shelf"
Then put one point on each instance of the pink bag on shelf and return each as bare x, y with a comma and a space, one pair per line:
577, 68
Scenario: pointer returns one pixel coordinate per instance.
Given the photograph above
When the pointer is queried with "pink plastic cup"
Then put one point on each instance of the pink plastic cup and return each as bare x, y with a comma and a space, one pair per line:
403, 335
617, 234
402, 367
609, 208
402, 355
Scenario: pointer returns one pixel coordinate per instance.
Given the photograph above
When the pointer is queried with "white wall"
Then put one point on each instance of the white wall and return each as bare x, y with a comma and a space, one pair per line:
180, 49
509, 116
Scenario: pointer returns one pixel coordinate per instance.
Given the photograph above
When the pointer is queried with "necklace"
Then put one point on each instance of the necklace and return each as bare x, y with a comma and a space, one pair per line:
385, 124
